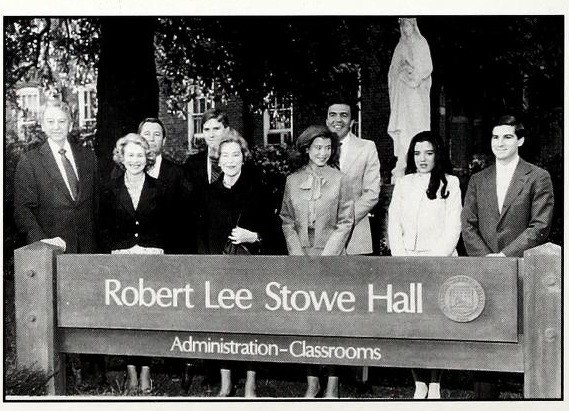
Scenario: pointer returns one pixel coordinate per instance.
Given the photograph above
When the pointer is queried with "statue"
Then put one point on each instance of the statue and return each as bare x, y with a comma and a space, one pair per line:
409, 82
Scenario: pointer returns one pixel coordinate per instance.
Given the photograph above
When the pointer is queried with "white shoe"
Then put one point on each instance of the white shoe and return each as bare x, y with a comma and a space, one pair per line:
434, 391
421, 390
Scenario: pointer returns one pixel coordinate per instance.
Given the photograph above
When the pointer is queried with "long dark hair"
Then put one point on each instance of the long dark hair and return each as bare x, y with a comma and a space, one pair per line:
442, 163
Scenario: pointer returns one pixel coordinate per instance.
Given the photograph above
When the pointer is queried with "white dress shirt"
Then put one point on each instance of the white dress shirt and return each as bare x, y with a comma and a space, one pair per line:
504, 174
155, 170
69, 155
208, 167
344, 149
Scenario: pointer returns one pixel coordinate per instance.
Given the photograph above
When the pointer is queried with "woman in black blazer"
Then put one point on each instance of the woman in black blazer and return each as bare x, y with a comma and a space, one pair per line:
133, 221
235, 213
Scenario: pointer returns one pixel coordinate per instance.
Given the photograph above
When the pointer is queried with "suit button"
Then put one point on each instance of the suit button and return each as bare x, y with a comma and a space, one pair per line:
136, 234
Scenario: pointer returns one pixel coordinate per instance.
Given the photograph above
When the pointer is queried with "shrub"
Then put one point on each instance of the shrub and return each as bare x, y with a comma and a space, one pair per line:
25, 381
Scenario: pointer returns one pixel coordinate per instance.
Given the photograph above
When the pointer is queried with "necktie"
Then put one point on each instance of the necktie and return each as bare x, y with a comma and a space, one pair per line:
215, 169
71, 177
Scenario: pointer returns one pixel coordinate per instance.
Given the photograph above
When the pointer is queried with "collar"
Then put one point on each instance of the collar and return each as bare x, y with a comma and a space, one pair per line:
349, 137
155, 170
510, 167
55, 147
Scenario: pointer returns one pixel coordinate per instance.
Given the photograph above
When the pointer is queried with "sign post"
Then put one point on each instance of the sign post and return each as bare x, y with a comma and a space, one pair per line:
542, 322
36, 332
431, 312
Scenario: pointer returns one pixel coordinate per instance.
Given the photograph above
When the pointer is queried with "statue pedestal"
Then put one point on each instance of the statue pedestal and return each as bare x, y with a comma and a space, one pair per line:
399, 170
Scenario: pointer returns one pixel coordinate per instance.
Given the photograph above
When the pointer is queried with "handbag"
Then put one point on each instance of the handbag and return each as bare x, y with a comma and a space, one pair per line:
235, 249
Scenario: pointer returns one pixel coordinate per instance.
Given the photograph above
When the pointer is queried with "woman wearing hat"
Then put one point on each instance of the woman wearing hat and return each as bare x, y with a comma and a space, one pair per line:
317, 211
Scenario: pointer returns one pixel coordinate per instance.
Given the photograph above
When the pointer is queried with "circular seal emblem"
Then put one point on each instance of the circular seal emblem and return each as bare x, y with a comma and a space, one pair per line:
461, 298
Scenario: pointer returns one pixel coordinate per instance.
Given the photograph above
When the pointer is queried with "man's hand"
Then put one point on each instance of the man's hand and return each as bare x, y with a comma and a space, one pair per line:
56, 241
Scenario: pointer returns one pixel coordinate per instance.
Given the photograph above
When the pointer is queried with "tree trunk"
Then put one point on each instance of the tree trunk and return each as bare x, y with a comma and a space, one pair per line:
127, 87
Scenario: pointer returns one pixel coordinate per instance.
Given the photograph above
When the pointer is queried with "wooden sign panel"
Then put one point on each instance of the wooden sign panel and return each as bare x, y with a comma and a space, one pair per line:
459, 355
418, 298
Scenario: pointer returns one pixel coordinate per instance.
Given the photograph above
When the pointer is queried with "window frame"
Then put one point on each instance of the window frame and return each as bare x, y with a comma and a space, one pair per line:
272, 105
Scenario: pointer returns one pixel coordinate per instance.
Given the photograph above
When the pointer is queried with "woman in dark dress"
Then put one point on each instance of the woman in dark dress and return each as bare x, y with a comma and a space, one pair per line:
235, 215
132, 219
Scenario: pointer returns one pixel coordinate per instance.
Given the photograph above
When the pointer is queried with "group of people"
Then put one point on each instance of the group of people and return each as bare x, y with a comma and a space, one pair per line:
325, 208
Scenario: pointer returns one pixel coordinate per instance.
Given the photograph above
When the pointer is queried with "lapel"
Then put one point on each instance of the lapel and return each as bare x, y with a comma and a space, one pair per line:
516, 186
146, 195
78, 157
352, 155
50, 166
124, 200
489, 186
163, 171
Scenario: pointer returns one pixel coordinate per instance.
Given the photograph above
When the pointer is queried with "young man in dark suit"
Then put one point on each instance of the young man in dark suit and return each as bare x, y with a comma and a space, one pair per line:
508, 206
56, 188
202, 168
508, 209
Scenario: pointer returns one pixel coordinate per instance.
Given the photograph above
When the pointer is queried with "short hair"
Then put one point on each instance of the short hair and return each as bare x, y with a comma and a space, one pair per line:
233, 136
511, 120
118, 152
354, 109
54, 102
152, 120
308, 136
217, 114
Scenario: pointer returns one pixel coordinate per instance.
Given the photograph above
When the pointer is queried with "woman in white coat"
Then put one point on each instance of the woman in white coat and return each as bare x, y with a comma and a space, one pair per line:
424, 218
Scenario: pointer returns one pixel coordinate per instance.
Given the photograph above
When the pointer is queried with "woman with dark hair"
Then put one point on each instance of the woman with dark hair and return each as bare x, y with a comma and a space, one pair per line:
424, 218
318, 213
133, 221
235, 221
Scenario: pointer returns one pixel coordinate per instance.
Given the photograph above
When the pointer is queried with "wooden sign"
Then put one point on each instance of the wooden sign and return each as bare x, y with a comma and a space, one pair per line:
419, 298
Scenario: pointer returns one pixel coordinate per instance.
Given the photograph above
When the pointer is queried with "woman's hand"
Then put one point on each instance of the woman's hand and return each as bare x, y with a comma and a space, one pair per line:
241, 235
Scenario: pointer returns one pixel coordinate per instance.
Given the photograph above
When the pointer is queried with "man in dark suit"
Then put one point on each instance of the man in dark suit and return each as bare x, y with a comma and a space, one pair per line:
202, 168
56, 195
56, 188
508, 209
180, 234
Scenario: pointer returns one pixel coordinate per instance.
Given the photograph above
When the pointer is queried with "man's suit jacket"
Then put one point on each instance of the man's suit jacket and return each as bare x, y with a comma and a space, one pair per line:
122, 226
195, 169
181, 235
43, 206
362, 168
334, 212
526, 214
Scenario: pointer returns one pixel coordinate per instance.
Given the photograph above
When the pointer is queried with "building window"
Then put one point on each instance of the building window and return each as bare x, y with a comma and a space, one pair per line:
196, 109
29, 108
278, 121
87, 106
